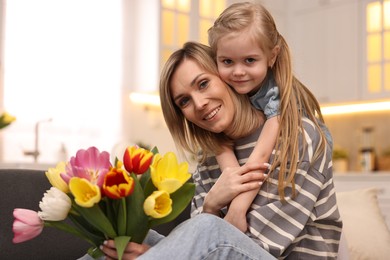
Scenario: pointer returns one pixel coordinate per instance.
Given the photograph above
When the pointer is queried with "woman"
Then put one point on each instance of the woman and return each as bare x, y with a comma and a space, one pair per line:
202, 113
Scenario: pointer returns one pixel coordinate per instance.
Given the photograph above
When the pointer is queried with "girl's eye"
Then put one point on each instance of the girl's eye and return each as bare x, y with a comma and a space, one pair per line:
250, 60
227, 62
203, 84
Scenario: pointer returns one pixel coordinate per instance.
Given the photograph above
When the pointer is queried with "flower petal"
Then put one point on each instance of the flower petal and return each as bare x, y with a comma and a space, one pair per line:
26, 226
86, 194
55, 205
158, 204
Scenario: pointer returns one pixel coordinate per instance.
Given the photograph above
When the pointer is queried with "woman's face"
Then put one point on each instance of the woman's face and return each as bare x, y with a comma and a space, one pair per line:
202, 97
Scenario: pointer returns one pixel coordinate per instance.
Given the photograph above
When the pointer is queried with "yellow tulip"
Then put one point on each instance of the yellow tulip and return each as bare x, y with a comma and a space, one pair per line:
167, 174
85, 193
54, 177
6, 119
158, 204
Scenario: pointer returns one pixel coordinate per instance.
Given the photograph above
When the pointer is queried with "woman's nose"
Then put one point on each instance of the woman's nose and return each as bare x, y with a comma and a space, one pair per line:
200, 101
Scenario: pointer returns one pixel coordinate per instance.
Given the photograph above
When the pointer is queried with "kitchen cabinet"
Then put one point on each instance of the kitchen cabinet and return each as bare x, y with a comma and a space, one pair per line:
326, 42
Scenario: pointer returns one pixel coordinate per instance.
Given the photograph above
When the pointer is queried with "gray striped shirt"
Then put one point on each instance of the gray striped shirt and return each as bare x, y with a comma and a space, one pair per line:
307, 226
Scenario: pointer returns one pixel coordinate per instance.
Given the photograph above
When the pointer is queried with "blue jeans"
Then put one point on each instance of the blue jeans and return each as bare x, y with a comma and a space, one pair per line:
204, 237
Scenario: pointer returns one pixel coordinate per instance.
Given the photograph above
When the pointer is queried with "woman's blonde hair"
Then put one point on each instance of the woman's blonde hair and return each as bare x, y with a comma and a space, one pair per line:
188, 136
296, 100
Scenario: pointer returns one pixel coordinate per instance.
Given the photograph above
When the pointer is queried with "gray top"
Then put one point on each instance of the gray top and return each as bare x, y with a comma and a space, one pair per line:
305, 227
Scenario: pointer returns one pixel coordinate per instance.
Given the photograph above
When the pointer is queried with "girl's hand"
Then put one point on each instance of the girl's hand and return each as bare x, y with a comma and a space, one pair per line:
132, 250
233, 181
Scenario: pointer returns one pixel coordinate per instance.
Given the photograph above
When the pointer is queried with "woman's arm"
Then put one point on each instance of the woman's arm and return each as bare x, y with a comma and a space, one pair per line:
231, 182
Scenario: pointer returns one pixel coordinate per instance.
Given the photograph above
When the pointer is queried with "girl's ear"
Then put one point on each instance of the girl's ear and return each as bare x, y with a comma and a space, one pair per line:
274, 55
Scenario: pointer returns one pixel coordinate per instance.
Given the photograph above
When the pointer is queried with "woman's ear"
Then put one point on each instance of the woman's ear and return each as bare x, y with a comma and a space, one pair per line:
274, 55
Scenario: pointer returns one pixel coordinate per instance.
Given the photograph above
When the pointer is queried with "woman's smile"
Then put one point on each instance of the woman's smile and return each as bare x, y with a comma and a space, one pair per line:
212, 113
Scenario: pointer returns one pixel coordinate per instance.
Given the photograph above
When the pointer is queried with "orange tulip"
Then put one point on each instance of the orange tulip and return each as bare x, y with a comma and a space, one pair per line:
137, 160
117, 183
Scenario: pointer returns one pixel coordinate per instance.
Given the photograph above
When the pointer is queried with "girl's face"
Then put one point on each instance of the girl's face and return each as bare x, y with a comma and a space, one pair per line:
241, 62
202, 97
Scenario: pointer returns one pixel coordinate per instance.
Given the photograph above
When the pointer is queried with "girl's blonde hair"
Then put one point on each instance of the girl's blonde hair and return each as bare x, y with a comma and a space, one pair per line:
188, 136
296, 100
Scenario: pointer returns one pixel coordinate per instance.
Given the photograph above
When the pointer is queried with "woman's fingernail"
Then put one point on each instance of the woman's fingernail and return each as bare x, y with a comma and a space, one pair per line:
105, 242
260, 183
265, 175
101, 247
267, 164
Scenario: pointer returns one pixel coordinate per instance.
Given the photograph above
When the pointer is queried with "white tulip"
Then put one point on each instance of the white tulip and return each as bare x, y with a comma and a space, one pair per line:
55, 205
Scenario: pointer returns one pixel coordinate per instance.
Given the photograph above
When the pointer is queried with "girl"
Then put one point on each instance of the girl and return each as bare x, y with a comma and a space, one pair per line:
254, 59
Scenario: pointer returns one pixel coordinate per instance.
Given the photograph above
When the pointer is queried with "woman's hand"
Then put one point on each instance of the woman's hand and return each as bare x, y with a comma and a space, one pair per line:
233, 181
132, 250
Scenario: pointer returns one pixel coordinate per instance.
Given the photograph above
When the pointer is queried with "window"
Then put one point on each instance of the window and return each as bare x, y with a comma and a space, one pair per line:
185, 20
62, 75
378, 46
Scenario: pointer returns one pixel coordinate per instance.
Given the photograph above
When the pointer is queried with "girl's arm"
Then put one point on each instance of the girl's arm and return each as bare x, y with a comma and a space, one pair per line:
260, 155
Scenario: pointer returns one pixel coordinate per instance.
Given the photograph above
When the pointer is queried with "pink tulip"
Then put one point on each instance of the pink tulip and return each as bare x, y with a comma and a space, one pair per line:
27, 225
90, 164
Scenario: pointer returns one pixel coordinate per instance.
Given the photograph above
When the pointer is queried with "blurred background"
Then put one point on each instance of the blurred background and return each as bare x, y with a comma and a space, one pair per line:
80, 73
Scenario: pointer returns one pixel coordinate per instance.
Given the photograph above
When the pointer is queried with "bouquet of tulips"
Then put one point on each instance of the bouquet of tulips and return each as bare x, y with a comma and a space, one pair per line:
104, 201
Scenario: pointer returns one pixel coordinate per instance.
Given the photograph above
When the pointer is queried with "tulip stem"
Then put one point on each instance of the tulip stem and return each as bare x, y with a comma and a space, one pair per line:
122, 217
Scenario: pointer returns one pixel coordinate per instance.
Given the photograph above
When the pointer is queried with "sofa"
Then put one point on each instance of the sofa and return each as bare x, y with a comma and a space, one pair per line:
365, 233
22, 188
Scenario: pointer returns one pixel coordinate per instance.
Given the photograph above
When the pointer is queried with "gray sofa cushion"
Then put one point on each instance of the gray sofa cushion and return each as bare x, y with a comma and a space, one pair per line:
24, 189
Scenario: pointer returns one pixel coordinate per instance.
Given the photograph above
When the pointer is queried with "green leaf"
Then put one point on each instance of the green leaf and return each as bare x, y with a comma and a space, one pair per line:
97, 218
149, 188
120, 244
110, 208
69, 229
87, 229
154, 150
137, 221
122, 217
95, 252
180, 199
145, 177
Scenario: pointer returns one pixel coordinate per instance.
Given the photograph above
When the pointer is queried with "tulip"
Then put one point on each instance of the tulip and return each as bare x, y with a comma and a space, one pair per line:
158, 204
55, 205
89, 164
6, 119
137, 160
86, 194
117, 183
167, 174
55, 179
26, 226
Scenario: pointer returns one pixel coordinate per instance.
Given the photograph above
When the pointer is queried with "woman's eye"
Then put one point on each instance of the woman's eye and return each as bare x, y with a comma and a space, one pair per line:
250, 60
183, 102
203, 84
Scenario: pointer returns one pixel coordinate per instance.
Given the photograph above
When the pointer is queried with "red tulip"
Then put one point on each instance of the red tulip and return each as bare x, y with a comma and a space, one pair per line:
137, 160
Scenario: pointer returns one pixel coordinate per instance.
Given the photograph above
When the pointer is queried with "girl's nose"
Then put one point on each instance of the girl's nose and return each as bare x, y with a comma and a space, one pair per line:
238, 71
